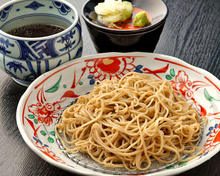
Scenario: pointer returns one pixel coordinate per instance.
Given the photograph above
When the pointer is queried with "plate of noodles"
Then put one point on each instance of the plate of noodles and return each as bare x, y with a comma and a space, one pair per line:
123, 114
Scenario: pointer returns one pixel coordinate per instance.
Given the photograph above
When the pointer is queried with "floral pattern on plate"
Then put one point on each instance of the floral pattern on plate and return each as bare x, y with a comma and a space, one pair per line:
44, 100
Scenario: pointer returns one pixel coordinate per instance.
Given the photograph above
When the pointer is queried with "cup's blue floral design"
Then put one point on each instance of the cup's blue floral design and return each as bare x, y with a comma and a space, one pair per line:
25, 71
63, 9
16, 66
4, 44
4, 13
34, 5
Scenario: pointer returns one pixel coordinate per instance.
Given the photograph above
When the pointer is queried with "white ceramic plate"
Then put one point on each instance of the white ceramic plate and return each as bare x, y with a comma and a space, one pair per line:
42, 103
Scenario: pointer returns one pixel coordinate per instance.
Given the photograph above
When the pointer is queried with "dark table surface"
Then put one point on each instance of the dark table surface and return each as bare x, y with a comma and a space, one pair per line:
191, 33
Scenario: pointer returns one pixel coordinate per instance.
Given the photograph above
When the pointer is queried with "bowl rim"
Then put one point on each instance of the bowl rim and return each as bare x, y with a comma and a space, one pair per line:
68, 168
144, 29
13, 37
126, 34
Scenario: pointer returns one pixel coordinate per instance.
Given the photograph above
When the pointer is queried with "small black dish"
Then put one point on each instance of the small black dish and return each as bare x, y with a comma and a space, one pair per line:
143, 39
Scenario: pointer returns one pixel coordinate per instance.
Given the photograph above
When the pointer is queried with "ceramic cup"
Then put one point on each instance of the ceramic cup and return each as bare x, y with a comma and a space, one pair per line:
107, 39
24, 59
15, 14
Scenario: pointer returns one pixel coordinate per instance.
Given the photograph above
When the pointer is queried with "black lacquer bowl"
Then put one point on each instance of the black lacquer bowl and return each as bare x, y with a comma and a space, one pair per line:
106, 39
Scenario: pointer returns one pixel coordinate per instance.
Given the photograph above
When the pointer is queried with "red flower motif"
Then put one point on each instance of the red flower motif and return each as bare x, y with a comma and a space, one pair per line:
44, 111
183, 84
111, 65
108, 67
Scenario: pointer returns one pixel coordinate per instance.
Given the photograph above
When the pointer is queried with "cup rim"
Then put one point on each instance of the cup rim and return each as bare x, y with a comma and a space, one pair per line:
144, 29
76, 18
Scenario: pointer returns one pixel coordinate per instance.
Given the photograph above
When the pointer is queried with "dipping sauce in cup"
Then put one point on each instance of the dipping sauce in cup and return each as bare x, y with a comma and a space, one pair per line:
36, 30
37, 36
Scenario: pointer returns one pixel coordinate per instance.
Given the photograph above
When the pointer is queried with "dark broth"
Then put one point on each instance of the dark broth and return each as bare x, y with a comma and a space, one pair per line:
36, 30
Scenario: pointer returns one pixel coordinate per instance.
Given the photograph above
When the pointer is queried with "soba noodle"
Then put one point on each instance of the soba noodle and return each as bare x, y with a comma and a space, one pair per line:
131, 122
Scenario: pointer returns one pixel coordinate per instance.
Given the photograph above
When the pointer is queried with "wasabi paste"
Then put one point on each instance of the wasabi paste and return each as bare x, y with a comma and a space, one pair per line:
141, 20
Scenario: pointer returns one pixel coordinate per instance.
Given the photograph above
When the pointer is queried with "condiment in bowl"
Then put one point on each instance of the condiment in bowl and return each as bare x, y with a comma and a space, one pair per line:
139, 32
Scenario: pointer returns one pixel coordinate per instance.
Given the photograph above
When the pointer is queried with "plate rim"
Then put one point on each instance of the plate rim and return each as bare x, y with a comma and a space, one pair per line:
101, 55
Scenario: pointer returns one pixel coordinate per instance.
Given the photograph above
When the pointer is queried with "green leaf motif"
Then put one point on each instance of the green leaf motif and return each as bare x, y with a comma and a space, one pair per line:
172, 72
183, 163
35, 121
55, 87
50, 140
31, 116
170, 167
52, 133
168, 77
207, 96
42, 132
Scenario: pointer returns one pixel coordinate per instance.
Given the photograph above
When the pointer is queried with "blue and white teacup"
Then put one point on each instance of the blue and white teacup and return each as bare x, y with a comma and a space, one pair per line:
43, 51
19, 13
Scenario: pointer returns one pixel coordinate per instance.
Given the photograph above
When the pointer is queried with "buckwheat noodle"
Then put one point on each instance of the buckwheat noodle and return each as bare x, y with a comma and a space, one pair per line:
130, 122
